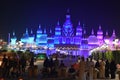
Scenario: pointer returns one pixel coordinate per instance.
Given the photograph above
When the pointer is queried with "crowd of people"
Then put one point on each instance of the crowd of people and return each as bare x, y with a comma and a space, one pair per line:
83, 69
13, 66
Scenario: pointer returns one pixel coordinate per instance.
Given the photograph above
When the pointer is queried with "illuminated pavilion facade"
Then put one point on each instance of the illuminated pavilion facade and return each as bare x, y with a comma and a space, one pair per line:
67, 39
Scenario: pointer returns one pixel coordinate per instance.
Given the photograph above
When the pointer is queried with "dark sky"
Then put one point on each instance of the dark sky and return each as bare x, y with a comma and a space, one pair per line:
16, 15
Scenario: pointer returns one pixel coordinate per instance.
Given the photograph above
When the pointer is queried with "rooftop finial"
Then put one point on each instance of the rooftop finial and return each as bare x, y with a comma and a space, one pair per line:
39, 26
26, 30
50, 31
31, 31
13, 33
44, 31
58, 23
113, 32
79, 23
84, 31
92, 32
99, 27
68, 10
106, 33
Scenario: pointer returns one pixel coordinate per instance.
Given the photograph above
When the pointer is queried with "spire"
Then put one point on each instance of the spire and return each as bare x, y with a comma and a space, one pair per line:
79, 23
99, 27
68, 14
44, 31
39, 26
50, 31
31, 31
84, 32
68, 11
26, 30
58, 23
13, 33
113, 33
92, 32
106, 33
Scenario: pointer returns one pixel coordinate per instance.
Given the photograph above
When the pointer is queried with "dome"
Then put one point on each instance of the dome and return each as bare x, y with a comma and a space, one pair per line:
92, 39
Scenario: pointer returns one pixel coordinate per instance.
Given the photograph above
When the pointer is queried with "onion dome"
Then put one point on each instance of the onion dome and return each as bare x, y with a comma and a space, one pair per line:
92, 39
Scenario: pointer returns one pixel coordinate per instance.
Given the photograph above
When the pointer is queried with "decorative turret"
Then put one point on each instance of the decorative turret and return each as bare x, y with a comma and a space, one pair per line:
13, 39
57, 33
39, 29
79, 30
26, 31
92, 32
100, 35
106, 38
67, 26
44, 31
58, 29
31, 37
113, 37
84, 35
113, 34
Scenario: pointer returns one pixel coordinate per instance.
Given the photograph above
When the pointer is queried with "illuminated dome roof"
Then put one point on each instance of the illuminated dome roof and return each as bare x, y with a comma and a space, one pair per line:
92, 39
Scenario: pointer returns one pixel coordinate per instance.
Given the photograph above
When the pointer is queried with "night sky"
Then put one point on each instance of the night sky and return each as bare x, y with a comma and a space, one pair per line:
16, 15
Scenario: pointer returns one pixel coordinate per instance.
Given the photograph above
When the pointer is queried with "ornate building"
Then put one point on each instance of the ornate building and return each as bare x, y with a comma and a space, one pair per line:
66, 39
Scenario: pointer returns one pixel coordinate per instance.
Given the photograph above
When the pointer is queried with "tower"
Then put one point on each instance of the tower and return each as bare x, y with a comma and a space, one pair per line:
25, 37
67, 30
78, 34
57, 33
67, 26
41, 38
31, 37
